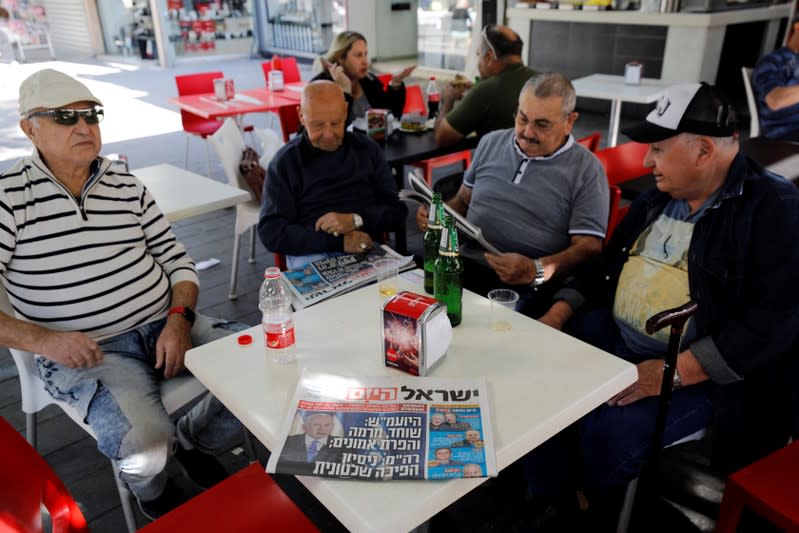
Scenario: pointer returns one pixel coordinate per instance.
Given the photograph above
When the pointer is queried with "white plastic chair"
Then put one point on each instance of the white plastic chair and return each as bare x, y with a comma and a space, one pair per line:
175, 393
754, 121
229, 145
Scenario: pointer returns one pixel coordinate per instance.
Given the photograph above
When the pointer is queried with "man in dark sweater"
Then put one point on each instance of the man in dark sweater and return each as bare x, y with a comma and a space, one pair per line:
327, 191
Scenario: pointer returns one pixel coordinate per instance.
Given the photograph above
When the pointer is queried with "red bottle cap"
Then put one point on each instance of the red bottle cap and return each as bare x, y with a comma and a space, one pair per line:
244, 340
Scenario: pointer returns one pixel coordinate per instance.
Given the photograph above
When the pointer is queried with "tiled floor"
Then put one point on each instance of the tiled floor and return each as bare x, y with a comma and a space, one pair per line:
141, 124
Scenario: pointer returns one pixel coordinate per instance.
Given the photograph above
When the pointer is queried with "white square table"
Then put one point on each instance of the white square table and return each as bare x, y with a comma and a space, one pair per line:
613, 88
182, 194
540, 381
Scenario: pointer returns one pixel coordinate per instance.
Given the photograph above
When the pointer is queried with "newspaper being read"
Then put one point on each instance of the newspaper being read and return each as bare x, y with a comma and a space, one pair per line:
386, 428
421, 193
328, 277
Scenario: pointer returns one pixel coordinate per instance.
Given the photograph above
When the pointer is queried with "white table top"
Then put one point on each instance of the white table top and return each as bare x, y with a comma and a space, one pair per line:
539, 381
609, 87
182, 194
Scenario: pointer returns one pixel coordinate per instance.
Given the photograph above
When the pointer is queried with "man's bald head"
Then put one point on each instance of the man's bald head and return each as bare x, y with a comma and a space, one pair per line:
323, 113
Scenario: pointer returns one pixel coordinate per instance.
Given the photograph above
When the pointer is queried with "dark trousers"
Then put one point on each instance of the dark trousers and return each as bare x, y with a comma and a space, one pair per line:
605, 449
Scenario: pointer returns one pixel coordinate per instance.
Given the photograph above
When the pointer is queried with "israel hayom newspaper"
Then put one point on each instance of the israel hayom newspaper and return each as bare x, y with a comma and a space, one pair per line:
421, 193
386, 428
323, 278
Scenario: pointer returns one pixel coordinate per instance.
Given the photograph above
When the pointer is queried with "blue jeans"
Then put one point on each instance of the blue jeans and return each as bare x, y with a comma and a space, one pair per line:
120, 399
606, 448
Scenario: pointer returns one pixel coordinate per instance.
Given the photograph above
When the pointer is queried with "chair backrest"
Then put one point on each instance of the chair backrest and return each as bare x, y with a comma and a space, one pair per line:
591, 142
616, 212
754, 118
414, 100
289, 121
385, 79
288, 64
26, 483
199, 83
624, 162
229, 145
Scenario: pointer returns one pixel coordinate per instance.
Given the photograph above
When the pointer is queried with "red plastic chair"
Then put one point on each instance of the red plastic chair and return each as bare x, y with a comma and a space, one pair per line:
414, 100
289, 121
591, 142
385, 79
624, 162
26, 483
249, 500
616, 212
769, 487
194, 124
280, 261
427, 166
288, 64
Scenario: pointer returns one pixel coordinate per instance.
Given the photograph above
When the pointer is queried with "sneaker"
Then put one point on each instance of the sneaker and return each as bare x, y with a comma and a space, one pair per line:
203, 469
170, 498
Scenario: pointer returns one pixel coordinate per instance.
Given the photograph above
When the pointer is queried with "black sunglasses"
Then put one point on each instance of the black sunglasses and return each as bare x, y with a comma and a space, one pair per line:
69, 117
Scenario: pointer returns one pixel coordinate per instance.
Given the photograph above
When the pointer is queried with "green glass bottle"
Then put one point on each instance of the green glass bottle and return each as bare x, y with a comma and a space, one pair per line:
448, 278
432, 238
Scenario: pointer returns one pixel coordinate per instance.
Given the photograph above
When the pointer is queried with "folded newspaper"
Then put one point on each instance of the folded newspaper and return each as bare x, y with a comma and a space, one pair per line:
328, 277
386, 428
421, 193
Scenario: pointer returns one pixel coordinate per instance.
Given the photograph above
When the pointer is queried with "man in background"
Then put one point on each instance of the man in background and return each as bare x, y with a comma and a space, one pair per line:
776, 83
488, 105
328, 191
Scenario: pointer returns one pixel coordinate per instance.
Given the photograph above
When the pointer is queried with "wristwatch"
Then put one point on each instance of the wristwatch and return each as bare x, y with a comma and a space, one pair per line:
357, 220
539, 273
187, 313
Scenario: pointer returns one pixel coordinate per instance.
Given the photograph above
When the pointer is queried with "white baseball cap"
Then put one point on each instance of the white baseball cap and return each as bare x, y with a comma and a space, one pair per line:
49, 89
686, 108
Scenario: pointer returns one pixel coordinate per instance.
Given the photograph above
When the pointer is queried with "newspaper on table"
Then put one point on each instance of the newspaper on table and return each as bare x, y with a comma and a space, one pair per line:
421, 193
386, 428
328, 277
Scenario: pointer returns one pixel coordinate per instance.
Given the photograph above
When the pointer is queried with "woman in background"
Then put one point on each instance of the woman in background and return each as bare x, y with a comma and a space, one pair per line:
347, 64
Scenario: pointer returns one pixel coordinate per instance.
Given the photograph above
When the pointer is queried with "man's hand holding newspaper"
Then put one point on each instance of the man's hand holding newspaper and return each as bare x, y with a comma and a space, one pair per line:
421, 193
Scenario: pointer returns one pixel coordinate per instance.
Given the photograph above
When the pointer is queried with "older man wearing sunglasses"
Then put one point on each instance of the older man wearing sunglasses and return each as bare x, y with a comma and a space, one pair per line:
105, 294
490, 104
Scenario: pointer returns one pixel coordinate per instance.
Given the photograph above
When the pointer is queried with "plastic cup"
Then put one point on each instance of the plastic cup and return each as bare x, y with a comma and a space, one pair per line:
502, 301
387, 270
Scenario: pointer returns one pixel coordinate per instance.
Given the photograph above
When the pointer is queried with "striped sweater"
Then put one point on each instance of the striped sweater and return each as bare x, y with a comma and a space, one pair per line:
101, 264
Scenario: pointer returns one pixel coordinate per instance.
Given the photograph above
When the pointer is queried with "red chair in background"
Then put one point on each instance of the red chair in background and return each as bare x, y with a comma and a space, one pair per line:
385, 79
414, 100
769, 487
289, 121
591, 142
194, 124
616, 212
288, 64
249, 500
26, 483
200, 83
624, 162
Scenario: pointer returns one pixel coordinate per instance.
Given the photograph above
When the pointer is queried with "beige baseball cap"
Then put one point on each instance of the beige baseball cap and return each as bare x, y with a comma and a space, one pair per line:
50, 88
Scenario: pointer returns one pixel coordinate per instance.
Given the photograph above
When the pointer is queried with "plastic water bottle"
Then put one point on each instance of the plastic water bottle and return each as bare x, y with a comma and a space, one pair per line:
433, 97
276, 81
277, 320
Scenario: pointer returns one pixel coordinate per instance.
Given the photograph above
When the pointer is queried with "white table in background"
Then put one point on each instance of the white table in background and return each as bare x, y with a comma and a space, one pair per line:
182, 194
540, 381
613, 88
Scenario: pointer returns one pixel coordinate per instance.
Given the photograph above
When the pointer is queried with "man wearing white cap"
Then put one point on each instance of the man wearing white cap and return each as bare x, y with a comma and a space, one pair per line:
105, 294
722, 231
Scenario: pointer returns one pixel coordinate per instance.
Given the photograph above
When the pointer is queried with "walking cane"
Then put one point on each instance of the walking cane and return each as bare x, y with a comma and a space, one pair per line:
676, 318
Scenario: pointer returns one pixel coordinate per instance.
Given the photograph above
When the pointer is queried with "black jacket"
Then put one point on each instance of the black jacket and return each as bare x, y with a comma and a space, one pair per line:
392, 99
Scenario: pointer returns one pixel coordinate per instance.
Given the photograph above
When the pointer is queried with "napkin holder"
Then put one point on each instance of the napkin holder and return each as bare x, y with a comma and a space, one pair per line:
416, 333
378, 123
